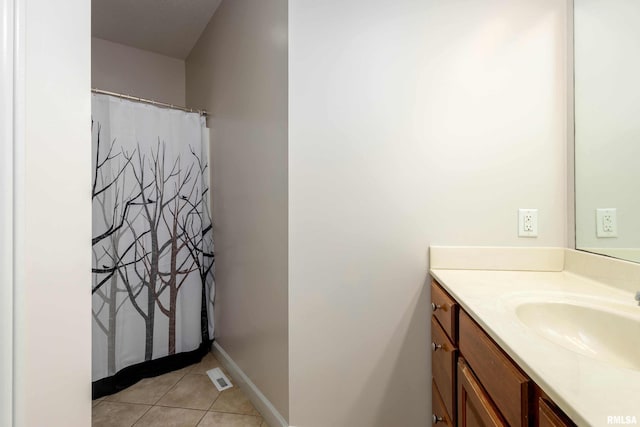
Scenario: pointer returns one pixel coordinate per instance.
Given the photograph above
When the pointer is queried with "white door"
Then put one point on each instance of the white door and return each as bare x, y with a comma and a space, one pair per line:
6, 210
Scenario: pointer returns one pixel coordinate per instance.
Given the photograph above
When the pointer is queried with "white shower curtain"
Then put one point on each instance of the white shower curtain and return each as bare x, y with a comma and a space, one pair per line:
153, 285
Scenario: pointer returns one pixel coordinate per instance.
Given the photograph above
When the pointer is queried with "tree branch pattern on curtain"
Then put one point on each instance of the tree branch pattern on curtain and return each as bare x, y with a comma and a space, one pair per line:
153, 257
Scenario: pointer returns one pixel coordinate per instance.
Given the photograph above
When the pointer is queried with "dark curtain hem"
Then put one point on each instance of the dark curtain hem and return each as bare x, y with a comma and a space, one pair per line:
132, 374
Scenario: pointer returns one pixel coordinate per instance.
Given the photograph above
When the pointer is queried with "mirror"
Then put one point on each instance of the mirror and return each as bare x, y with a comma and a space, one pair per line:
607, 127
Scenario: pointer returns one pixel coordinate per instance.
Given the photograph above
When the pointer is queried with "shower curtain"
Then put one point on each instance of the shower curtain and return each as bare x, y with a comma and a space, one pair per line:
152, 277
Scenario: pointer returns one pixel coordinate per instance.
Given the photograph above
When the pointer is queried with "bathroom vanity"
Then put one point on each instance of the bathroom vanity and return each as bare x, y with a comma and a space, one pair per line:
474, 382
527, 337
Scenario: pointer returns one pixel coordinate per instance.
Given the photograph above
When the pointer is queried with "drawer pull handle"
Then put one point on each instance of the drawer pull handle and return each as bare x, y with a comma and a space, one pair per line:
435, 346
435, 306
437, 419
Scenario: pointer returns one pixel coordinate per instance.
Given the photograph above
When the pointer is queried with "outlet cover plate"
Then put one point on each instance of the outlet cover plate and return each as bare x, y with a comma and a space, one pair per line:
527, 222
606, 222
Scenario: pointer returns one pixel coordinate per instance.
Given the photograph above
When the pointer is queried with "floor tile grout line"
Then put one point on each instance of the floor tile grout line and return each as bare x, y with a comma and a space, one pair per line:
139, 418
106, 398
262, 421
182, 407
166, 392
232, 412
200, 420
124, 403
216, 399
174, 386
183, 375
204, 412
235, 413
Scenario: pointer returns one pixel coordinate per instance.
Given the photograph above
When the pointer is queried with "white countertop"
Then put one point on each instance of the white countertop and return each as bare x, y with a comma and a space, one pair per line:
586, 389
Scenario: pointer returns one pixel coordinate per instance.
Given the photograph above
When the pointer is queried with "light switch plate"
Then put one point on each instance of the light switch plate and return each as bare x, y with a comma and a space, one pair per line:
606, 222
528, 222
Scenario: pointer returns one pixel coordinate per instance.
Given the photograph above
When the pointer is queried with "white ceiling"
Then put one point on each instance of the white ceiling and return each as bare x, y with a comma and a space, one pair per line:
169, 27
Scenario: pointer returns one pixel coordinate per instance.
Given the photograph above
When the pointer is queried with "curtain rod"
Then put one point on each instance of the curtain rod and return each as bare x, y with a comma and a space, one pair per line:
150, 101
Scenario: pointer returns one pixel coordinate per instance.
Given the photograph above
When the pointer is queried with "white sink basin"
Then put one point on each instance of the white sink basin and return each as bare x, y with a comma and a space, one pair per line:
607, 332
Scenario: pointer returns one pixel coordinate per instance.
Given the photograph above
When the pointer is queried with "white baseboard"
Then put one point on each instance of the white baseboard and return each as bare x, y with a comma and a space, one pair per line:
259, 400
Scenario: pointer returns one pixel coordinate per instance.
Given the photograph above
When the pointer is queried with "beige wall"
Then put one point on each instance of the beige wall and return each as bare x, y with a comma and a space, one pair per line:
411, 123
238, 71
125, 69
53, 216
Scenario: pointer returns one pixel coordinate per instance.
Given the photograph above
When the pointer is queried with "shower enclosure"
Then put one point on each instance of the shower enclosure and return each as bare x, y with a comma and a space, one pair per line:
152, 283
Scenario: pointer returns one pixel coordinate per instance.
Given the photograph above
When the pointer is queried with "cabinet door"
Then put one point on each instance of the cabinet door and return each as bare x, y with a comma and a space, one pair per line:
548, 416
475, 409
443, 365
439, 414
503, 381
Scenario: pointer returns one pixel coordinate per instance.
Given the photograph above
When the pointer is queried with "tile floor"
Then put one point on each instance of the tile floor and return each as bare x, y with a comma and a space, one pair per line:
184, 398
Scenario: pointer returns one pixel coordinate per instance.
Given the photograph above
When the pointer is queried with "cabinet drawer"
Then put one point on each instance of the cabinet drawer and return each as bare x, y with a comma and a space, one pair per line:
444, 309
439, 415
503, 381
443, 364
474, 406
550, 416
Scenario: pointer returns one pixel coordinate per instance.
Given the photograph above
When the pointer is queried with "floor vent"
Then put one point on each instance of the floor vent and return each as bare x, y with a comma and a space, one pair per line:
219, 379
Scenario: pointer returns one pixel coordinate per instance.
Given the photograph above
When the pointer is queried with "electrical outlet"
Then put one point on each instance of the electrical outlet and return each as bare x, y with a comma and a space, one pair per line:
528, 222
606, 222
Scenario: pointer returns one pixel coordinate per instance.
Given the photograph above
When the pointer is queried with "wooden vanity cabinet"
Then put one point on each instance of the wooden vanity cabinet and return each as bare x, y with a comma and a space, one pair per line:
440, 414
502, 379
548, 414
443, 350
443, 363
474, 406
444, 310
549, 417
475, 383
